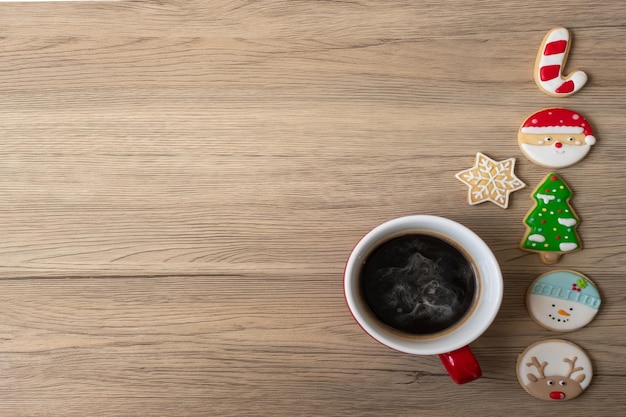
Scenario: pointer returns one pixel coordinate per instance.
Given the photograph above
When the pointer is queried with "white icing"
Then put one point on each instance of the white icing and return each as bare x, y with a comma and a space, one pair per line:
553, 352
552, 157
557, 34
567, 222
536, 238
546, 198
540, 308
567, 246
552, 129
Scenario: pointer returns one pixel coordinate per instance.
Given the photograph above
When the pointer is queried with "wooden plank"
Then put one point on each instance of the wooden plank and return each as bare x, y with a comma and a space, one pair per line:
182, 182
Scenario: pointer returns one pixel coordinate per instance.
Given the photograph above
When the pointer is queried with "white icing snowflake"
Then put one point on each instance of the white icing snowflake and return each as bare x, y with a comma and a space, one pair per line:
490, 180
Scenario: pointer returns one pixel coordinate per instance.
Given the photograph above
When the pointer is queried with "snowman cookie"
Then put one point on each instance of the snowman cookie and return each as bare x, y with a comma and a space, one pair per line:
554, 370
555, 137
562, 301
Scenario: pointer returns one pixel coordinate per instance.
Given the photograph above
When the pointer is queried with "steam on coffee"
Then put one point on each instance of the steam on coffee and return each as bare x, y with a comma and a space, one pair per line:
418, 284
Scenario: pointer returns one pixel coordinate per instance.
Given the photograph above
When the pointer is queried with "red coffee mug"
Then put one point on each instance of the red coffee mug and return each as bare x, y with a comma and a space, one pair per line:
452, 343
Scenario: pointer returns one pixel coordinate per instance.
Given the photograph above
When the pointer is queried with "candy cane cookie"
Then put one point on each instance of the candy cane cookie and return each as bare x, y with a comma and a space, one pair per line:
550, 62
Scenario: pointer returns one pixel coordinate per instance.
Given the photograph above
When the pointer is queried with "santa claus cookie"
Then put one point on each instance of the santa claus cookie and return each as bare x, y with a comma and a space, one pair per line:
562, 300
551, 224
550, 62
554, 370
555, 137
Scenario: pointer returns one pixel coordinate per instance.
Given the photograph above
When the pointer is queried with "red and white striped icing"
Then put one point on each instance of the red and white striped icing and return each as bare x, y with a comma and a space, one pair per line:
550, 62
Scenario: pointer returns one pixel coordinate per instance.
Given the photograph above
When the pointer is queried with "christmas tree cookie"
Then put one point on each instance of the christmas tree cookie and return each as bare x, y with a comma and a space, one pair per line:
551, 224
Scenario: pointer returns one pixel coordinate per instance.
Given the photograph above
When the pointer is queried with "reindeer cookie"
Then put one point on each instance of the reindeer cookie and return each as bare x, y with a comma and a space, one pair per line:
554, 370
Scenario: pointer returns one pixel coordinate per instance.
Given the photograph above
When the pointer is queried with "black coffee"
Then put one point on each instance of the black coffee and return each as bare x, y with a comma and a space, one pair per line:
418, 283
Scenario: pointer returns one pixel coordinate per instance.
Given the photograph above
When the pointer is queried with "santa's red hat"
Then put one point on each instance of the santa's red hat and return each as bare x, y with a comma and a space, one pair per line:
557, 120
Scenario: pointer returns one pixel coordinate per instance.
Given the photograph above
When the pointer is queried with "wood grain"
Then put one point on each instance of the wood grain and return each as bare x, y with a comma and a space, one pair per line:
182, 182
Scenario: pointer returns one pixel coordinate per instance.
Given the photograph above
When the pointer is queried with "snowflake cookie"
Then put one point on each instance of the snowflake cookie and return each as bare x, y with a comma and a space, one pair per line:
490, 180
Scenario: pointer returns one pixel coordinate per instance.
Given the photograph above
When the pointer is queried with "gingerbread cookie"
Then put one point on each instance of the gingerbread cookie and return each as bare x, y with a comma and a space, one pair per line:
562, 300
555, 137
551, 224
550, 62
554, 370
490, 180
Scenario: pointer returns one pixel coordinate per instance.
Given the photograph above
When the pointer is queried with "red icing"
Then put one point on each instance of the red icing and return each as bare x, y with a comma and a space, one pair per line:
554, 178
556, 47
566, 87
549, 72
557, 395
557, 237
559, 145
558, 116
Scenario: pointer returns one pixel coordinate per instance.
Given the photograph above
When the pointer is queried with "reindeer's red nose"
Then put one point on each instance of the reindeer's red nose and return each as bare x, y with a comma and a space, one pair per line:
559, 145
557, 395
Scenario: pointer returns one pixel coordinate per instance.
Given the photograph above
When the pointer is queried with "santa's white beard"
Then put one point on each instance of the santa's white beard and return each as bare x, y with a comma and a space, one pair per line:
553, 157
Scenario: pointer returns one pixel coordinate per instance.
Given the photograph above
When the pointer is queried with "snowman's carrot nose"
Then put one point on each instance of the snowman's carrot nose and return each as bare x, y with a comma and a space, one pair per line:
564, 313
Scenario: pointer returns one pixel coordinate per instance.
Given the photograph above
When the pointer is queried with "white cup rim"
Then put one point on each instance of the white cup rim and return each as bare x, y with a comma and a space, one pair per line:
490, 289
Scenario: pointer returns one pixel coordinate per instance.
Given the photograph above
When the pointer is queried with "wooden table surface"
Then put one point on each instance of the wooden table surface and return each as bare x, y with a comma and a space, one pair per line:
182, 181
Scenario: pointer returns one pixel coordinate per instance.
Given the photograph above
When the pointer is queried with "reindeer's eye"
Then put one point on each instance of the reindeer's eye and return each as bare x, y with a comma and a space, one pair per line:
562, 383
550, 382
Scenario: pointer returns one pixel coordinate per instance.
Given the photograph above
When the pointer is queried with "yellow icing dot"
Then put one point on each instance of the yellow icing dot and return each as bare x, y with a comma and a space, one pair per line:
545, 245
554, 229
561, 187
544, 209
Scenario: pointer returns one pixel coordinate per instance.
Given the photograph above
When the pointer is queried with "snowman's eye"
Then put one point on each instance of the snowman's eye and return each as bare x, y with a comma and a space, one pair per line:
547, 138
550, 382
571, 309
553, 305
562, 383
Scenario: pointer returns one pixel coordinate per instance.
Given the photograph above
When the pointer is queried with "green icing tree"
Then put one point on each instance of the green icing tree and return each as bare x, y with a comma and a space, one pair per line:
551, 224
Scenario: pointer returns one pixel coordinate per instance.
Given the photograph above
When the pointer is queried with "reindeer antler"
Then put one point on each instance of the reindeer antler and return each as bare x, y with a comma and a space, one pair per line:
540, 366
572, 369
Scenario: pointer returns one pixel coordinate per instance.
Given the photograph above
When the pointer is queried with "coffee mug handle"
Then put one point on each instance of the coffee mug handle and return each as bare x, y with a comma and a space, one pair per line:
462, 365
